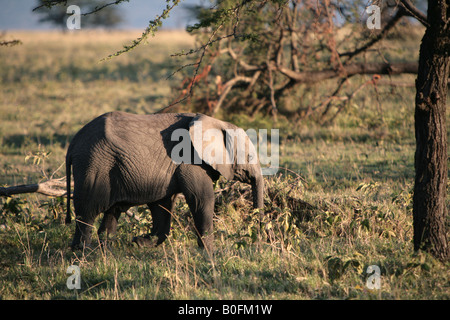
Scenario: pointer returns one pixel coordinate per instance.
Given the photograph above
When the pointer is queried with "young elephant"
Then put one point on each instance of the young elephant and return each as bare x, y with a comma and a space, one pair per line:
121, 160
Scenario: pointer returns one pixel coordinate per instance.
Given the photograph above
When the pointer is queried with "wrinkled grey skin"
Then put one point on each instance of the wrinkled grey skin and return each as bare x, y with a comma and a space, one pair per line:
121, 160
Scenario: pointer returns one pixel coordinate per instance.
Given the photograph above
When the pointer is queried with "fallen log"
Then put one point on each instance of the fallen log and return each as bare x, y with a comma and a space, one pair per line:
51, 188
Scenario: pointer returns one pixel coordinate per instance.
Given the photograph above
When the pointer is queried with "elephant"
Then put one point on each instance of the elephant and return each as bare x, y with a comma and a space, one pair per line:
120, 160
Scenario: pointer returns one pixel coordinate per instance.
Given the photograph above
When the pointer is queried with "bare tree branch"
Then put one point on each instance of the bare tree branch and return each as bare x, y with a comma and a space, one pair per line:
349, 70
407, 9
400, 14
245, 66
229, 85
412, 11
52, 188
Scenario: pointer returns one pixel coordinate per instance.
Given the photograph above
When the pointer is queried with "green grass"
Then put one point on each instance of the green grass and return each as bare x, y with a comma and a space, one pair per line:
341, 202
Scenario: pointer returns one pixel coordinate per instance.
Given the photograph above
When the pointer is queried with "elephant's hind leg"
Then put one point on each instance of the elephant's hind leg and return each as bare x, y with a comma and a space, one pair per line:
83, 231
84, 223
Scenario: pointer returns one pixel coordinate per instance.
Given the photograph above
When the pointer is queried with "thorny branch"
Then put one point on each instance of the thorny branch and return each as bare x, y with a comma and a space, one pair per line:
232, 13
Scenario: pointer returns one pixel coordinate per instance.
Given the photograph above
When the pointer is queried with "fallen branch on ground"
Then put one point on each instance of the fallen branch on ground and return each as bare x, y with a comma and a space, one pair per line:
51, 188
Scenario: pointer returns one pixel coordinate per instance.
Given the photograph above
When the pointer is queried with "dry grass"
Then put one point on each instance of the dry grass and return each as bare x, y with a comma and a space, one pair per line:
346, 206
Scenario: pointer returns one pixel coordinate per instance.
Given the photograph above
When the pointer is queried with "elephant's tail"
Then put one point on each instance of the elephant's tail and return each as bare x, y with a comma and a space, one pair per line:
68, 182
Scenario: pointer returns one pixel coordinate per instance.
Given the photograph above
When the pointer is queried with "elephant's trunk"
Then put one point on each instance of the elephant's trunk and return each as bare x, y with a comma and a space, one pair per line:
258, 192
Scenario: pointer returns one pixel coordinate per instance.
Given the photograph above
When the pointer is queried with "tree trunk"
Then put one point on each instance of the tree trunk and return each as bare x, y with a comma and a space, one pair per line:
429, 210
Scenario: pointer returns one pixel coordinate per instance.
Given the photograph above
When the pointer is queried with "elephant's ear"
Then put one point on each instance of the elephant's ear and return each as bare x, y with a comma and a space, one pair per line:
208, 137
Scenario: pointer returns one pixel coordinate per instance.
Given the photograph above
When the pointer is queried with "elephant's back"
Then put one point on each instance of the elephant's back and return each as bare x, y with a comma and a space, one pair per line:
130, 125
121, 127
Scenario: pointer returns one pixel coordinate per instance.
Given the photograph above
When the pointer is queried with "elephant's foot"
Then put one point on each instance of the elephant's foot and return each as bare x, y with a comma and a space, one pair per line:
146, 241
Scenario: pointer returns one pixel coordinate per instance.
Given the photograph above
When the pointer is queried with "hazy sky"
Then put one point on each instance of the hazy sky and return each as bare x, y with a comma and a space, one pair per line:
17, 14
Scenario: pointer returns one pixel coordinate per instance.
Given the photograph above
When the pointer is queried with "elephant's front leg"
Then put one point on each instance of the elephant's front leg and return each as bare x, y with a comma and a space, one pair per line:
197, 187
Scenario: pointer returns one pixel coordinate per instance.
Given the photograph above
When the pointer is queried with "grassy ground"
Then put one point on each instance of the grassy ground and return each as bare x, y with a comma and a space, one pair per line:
341, 203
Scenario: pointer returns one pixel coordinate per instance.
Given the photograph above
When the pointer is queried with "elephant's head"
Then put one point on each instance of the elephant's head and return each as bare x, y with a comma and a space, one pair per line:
229, 151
